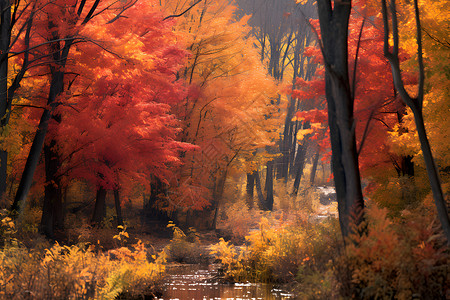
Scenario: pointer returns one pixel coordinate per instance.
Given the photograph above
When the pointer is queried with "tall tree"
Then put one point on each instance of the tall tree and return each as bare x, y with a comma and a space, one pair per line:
334, 20
415, 103
121, 123
16, 21
58, 36
228, 107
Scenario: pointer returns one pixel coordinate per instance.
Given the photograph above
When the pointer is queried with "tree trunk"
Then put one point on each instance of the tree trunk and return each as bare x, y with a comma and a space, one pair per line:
433, 174
56, 87
118, 207
285, 143
3, 172
259, 189
5, 27
312, 177
268, 203
217, 196
100, 206
334, 28
250, 188
416, 104
299, 166
53, 211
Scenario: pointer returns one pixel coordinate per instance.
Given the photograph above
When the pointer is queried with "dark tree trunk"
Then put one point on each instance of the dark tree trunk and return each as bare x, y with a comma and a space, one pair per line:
259, 189
312, 178
100, 206
59, 53
299, 166
250, 188
334, 29
37, 145
3, 171
285, 143
118, 207
151, 212
433, 174
56, 88
53, 210
407, 166
5, 27
268, 203
219, 188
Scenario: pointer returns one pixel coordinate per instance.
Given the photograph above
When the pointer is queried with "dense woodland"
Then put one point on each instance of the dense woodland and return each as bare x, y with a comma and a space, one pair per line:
124, 122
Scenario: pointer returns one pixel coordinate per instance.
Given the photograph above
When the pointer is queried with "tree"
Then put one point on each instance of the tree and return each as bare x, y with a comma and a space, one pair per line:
121, 124
57, 37
415, 103
16, 22
334, 20
227, 111
282, 32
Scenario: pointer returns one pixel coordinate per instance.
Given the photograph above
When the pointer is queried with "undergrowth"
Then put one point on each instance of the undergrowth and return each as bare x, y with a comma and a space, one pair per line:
404, 258
76, 272
185, 247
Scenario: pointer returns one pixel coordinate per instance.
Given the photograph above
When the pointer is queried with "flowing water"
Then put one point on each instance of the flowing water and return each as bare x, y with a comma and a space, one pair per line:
199, 282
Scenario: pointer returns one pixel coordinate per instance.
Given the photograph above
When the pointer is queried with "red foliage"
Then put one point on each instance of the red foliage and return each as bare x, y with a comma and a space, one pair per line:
121, 121
375, 106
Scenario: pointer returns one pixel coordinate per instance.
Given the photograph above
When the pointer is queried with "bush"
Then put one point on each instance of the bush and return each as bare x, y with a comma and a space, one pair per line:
184, 247
77, 272
401, 259
281, 251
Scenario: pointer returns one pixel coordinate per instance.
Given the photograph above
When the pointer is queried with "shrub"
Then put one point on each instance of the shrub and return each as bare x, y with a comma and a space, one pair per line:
237, 221
403, 259
280, 252
77, 272
184, 247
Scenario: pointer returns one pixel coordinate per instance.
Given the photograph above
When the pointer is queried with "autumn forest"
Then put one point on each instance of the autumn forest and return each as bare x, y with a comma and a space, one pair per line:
297, 147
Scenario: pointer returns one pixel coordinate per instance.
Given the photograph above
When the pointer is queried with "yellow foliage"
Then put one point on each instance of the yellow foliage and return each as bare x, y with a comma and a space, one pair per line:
77, 272
277, 251
304, 132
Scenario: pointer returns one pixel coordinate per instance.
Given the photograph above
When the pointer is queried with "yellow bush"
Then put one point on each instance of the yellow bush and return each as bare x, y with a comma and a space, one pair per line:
184, 247
77, 272
278, 252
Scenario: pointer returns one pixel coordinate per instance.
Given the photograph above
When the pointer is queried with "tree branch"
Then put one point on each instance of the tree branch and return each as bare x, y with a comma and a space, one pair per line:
185, 11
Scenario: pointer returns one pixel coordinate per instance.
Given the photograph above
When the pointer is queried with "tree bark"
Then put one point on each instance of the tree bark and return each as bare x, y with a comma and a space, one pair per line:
259, 189
250, 188
53, 211
299, 166
5, 37
433, 174
118, 207
268, 203
312, 177
217, 196
334, 28
56, 88
100, 206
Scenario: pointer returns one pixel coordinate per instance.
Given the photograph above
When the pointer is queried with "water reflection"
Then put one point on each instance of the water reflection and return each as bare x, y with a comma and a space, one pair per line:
199, 282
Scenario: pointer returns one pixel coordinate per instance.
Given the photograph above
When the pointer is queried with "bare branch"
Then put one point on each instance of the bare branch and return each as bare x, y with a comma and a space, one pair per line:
30, 105
185, 11
121, 12
355, 66
443, 43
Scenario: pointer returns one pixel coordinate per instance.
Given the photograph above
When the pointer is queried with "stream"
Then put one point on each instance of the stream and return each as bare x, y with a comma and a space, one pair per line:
199, 282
